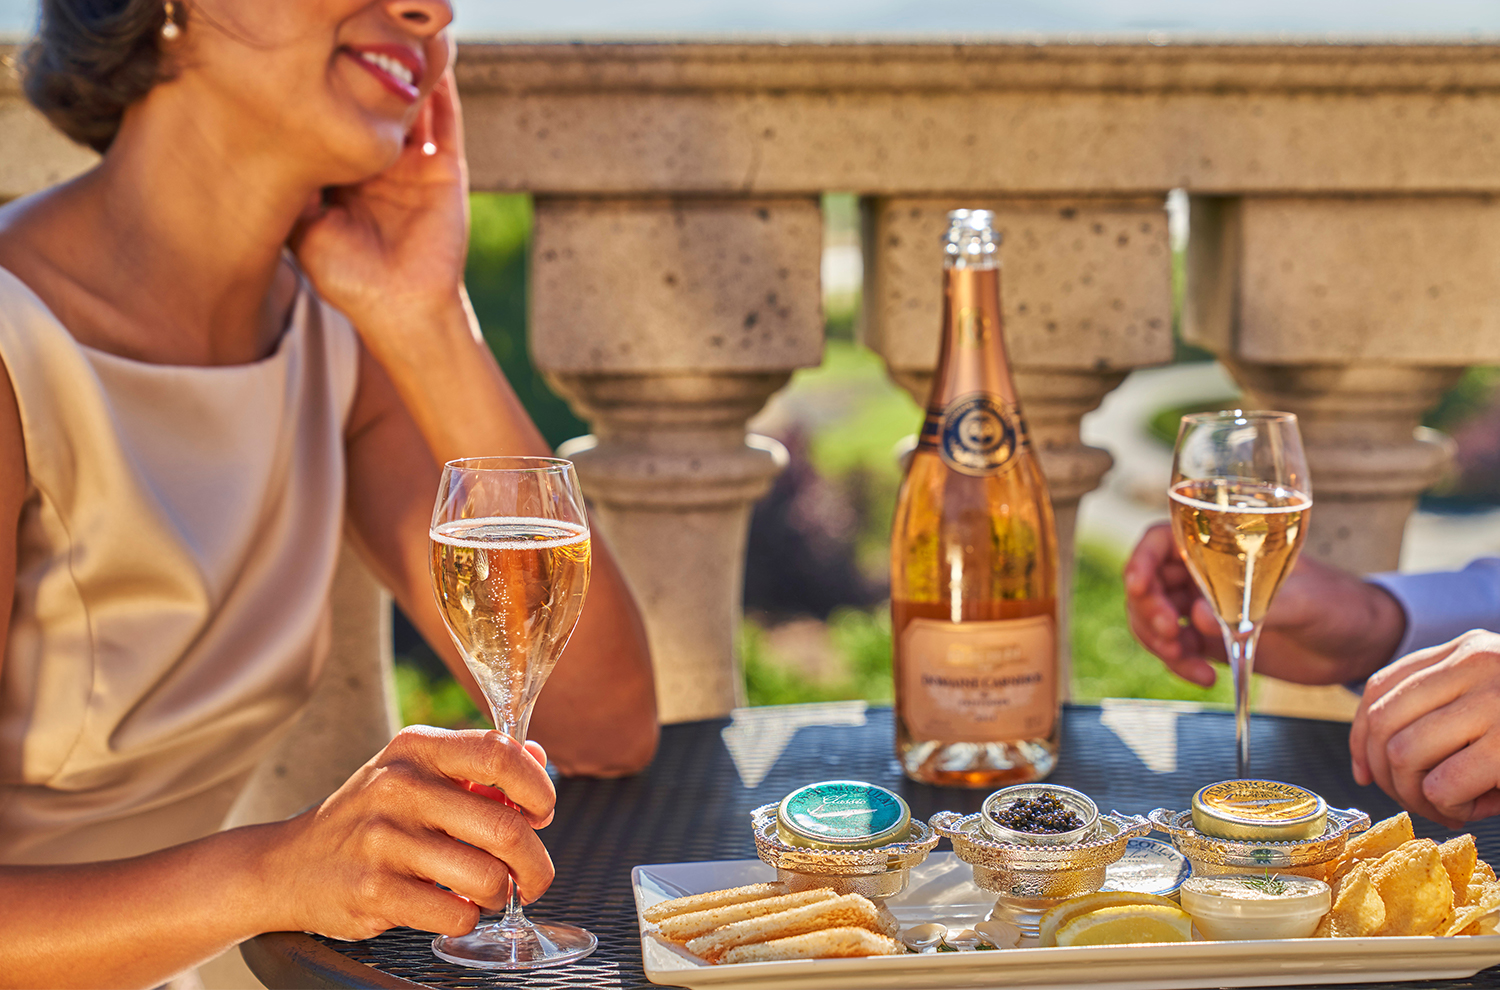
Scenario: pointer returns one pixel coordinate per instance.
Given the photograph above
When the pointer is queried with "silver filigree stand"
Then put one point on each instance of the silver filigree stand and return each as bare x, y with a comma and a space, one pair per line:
876, 873
1029, 879
1213, 856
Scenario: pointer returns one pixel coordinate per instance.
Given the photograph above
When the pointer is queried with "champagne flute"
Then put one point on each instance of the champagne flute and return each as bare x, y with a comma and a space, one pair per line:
510, 566
1240, 499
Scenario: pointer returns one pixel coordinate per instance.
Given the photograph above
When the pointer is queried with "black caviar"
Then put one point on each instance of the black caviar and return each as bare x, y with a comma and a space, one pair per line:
1044, 814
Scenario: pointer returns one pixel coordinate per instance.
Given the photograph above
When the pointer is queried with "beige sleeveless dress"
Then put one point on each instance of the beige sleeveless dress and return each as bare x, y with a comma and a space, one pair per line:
175, 553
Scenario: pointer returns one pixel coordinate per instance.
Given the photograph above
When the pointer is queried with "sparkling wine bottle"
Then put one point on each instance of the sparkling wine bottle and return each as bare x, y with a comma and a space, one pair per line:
974, 554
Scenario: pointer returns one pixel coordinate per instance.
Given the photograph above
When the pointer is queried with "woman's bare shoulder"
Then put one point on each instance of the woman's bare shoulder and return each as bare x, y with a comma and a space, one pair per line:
32, 229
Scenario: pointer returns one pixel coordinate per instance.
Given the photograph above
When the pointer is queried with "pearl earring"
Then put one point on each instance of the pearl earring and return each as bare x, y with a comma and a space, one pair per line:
170, 31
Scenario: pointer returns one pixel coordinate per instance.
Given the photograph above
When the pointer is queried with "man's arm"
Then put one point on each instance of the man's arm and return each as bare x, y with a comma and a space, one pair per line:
1442, 605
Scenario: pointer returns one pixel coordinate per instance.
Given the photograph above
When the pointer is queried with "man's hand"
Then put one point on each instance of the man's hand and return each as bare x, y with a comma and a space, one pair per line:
1325, 626
1428, 730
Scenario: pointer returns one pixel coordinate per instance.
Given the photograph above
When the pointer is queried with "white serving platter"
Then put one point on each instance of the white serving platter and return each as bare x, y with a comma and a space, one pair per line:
942, 890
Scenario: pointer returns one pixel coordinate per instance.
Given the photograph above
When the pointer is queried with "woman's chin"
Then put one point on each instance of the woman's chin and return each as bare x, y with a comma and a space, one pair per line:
357, 158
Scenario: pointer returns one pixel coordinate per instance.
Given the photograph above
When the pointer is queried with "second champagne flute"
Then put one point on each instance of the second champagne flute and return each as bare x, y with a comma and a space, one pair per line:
510, 566
1240, 500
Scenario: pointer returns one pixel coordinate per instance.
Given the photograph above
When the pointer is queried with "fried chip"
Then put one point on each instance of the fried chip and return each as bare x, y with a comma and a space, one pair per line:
1358, 910
1484, 870
1382, 837
1463, 919
1483, 906
1376, 841
1487, 896
1460, 856
1414, 887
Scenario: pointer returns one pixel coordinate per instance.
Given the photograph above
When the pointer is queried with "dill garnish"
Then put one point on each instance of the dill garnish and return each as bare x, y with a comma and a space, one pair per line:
1270, 883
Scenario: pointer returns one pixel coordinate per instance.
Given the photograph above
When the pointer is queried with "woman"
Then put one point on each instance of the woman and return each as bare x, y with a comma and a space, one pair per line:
189, 416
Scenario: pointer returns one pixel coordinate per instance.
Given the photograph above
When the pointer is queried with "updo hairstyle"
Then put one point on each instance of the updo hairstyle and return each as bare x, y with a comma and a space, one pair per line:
93, 58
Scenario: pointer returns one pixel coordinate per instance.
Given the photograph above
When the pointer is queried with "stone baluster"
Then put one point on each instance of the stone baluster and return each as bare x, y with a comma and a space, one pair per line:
1356, 314
1086, 293
667, 323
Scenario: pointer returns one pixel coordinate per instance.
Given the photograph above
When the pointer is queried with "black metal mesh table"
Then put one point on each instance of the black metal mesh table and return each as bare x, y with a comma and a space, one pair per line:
694, 803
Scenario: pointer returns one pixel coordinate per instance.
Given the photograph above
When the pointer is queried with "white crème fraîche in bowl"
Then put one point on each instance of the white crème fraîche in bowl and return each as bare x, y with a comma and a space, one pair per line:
1255, 906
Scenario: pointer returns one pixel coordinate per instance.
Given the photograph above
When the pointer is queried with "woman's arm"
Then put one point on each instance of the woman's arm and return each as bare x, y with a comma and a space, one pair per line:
365, 860
390, 255
597, 714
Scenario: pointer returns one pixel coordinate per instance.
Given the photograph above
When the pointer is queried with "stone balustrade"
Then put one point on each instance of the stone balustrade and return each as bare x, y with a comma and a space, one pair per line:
1343, 236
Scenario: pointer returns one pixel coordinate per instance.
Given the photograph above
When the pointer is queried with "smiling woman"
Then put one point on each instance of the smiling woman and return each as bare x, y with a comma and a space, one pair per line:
238, 340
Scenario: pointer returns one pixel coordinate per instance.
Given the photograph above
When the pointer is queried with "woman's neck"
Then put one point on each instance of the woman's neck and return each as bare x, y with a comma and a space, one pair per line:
169, 251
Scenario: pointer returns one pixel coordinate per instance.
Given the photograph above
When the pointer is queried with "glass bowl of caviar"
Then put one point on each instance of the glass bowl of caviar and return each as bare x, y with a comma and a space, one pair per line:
1040, 814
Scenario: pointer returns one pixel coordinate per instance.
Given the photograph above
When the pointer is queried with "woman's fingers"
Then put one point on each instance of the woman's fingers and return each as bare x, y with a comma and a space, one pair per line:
426, 908
495, 844
447, 123
420, 136
485, 757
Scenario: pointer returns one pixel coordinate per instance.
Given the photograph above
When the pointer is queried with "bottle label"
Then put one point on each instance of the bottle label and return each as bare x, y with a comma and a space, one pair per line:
974, 434
979, 681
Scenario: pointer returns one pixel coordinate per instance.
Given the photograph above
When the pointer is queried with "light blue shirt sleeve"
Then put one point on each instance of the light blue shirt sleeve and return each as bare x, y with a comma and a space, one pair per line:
1442, 605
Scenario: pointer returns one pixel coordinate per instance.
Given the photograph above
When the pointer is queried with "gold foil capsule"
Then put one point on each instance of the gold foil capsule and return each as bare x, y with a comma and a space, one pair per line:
1259, 811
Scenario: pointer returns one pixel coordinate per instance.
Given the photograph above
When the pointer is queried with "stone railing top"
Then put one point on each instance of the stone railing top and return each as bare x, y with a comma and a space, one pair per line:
1031, 65
985, 119
1044, 64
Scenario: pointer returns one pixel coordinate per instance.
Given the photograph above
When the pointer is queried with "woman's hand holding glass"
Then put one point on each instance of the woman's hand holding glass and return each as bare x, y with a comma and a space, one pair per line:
370, 857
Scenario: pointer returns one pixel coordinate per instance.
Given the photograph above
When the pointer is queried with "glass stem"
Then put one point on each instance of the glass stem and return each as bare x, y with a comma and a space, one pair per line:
1240, 645
514, 921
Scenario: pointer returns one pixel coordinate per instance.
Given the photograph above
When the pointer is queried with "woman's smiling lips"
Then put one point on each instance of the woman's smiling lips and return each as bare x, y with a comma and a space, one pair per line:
398, 69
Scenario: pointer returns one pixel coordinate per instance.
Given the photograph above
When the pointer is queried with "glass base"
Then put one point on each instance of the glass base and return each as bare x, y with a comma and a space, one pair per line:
528, 947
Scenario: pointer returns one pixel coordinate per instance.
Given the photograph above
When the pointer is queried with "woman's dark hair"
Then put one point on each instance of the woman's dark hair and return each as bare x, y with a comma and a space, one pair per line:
93, 58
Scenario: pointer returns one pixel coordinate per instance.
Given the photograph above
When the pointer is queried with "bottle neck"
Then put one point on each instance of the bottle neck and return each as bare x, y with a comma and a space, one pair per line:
972, 359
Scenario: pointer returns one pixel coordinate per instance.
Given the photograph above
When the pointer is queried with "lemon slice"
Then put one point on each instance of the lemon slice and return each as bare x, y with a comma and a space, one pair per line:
1071, 908
1128, 925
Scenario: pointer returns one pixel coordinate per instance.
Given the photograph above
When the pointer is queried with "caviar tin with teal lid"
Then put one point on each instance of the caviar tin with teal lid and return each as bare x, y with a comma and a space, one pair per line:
842, 814
846, 835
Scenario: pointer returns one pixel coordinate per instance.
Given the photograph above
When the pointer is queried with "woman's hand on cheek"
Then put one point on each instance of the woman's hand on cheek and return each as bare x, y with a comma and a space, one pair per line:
370, 858
390, 251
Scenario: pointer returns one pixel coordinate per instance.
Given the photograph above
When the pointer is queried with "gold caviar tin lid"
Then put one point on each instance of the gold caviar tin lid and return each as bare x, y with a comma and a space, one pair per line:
1259, 810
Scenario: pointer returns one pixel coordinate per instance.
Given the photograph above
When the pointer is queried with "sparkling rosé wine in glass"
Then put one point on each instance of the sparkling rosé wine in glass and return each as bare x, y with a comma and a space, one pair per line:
510, 568
1240, 501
